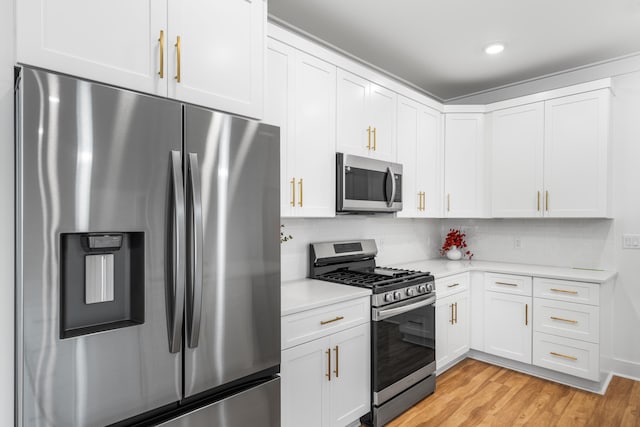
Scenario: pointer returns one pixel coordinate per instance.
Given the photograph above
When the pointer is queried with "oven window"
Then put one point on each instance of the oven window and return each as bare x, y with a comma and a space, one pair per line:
402, 345
365, 184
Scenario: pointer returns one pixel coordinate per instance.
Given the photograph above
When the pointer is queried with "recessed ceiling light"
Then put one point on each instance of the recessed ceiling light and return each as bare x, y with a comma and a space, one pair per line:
494, 48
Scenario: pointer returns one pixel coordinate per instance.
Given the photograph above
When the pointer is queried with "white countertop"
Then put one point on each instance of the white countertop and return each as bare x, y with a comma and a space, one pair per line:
305, 294
442, 268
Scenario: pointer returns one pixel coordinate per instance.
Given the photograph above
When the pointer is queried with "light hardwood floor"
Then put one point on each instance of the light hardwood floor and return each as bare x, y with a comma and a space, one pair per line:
474, 393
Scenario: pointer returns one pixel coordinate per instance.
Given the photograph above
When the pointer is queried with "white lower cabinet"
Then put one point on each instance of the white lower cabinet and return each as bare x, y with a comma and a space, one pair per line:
452, 329
567, 334
326, 382
507, 321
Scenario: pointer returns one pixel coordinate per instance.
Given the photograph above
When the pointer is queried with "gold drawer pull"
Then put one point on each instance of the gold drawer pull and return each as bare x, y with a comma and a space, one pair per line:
564, 291
161, 41
369, 138
337, 370
563, 320
506, 284
453, 286
324, 322
526, 315
553, 353
177, 46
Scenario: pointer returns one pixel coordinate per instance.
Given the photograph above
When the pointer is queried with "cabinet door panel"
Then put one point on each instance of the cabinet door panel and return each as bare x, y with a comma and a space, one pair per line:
408, 113
221, 54
313, 138
576, 155
382, 117
351, 384
459, 330
352, 114
444, 320
463, 165
278, 94
516, 167
304, 384
430, 156
114, 42
507, 326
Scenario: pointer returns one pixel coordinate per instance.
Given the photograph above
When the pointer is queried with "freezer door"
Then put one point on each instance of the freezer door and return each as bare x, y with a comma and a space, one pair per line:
93, 159
238, 308
257, 406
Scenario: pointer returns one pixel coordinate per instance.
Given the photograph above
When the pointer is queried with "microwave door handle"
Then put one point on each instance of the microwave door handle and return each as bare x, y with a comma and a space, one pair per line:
195, 263
393, 187
390, 312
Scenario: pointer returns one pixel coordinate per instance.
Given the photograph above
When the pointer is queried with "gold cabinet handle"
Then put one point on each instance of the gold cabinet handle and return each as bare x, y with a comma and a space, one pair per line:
564, 291
328, 374
553, 353
538, 201
300, 185
293, 191
375, 132
451, 314
448, 202
161, 41
526, 314
337, 370
177, 45
455, 317
324, 322
453, 285
546, 201
561, 319
506, 284
369, 138
424, 201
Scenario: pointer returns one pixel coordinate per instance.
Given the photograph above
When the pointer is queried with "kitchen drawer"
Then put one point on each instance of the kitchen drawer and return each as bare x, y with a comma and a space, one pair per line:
308, 325
452, 285
567, 319
566, 355
567, 290
507, 283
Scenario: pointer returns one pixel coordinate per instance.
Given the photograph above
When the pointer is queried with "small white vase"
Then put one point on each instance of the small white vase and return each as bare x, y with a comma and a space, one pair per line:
454, 253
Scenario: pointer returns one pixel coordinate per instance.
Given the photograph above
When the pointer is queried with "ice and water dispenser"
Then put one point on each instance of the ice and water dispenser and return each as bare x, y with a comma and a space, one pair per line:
102, 282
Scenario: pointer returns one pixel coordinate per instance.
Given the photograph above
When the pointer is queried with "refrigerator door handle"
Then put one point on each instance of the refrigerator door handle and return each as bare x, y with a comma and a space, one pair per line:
194, 306
178, 251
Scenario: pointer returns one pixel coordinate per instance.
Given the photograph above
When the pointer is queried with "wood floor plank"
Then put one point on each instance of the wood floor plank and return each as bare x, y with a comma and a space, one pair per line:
475, 393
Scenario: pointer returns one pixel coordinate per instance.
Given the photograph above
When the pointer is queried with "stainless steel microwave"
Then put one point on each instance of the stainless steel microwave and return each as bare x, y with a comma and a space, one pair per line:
367, 185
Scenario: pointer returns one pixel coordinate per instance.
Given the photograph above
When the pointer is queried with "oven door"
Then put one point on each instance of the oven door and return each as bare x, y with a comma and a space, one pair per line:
404, 346
367, 185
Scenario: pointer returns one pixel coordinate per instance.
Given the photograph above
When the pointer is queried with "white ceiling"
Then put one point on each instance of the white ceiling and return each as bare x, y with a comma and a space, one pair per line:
438, 45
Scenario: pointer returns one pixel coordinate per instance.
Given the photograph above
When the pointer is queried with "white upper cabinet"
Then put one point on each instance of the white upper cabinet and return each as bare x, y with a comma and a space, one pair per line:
420, 150
115, 42
134, 45
516, 161
220, 61
551, 158
366, 118
576, 155
464, 165
300, 99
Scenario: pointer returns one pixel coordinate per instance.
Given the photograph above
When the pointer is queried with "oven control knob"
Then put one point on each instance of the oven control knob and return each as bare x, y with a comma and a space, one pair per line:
422, 289
397, 295
410, 292
388, 297
430, 287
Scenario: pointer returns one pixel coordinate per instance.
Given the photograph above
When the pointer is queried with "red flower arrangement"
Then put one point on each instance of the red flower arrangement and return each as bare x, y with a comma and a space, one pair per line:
455, 238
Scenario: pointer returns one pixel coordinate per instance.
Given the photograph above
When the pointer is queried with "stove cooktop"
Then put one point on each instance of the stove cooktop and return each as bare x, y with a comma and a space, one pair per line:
380, 279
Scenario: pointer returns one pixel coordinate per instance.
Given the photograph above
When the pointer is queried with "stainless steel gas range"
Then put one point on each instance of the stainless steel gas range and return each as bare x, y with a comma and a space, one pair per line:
402, 323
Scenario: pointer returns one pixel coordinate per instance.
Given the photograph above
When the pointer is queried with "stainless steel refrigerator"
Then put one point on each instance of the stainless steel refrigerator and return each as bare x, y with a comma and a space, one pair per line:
148, 260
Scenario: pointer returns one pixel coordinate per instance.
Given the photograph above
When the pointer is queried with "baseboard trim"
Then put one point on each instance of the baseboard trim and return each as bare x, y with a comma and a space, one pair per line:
626, 369
599, 387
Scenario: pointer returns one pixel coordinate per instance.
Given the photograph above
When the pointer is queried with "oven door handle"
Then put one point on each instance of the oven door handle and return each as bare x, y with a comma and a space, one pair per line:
390, 312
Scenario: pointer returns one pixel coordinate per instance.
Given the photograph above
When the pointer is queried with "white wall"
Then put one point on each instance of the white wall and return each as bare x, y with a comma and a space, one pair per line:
398, 240
6, 211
